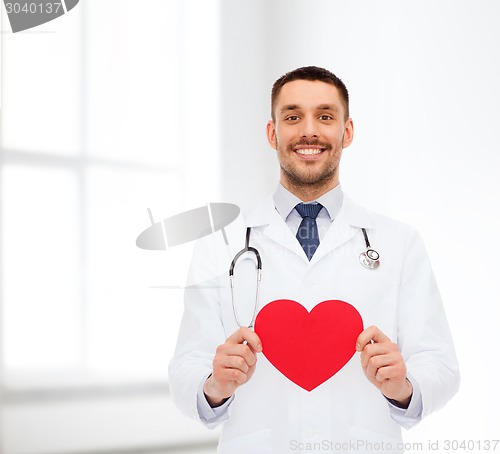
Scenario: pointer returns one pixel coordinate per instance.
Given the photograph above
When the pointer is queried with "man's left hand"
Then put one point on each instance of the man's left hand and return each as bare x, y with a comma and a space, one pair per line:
384, 366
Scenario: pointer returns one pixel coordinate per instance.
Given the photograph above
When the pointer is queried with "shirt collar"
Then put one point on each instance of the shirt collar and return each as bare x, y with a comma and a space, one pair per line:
285, 201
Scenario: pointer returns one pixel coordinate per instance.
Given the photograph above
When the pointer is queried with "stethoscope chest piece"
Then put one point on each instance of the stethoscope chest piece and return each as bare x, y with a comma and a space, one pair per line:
370, 259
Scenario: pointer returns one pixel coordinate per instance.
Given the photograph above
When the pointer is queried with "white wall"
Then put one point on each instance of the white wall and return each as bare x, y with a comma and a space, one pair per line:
425, 101
423, 80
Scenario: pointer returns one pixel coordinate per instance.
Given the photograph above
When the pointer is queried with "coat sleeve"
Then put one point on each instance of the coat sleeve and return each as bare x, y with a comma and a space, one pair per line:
424, 336
201, 329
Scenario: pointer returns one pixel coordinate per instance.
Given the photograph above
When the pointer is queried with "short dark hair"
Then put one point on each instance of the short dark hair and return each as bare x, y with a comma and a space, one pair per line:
312, 73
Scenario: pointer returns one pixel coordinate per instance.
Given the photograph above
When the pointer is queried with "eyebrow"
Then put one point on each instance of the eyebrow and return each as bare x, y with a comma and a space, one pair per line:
289, 107
328, 107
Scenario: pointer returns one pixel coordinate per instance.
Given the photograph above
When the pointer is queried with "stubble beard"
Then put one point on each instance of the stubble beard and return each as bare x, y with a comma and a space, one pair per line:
308, 179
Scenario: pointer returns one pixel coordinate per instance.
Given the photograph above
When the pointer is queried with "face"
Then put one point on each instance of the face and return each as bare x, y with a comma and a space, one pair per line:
308, 134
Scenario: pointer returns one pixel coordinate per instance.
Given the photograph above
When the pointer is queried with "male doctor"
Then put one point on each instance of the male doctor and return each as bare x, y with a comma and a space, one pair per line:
309, 236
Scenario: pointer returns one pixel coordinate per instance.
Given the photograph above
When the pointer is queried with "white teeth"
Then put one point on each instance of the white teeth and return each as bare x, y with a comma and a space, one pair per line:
308, 151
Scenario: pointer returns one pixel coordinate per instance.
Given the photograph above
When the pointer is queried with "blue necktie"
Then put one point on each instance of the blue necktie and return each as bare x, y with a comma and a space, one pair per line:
307, 234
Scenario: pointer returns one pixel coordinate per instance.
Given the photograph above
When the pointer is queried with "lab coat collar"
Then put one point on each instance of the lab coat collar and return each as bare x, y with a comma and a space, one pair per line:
351, 213
356, 214
285, 202
350, 219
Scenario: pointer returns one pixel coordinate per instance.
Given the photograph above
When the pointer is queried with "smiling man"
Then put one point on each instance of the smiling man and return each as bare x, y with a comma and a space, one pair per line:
400, 367
309, 130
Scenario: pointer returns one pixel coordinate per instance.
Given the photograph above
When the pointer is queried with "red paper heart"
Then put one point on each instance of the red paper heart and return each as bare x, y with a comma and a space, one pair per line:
308, 347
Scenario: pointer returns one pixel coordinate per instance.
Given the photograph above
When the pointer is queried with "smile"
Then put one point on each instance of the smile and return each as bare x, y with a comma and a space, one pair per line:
309, 151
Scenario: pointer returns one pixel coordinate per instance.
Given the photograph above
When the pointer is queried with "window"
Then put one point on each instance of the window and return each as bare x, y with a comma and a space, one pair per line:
107, 111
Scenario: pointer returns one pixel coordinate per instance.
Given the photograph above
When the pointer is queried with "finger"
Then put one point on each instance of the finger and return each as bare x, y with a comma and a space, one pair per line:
390, 373
235, 362
368, 335
372, 350
237, 350
373, 362
234, 375
230, 369
248, 354
380, 366
246, 334
245, 353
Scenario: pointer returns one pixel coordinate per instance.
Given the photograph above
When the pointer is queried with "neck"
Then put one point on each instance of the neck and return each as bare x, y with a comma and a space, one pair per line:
309, 192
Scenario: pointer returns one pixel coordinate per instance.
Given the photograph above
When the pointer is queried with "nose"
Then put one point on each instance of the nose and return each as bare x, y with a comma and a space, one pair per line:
309, 127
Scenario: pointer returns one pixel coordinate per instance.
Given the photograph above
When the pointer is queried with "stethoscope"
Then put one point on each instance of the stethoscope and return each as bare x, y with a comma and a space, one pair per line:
369, 258
247, 248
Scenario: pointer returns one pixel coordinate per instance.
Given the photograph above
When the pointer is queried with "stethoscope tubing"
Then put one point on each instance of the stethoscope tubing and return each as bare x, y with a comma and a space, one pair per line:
253, 250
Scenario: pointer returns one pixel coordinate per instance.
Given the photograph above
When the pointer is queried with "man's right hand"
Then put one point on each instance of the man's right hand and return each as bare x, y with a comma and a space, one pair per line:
233, 366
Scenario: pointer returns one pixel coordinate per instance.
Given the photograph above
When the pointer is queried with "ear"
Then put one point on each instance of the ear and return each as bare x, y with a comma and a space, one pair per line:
271, 134
348, 133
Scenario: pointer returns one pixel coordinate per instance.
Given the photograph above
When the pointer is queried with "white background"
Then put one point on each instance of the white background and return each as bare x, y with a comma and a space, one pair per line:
119, 106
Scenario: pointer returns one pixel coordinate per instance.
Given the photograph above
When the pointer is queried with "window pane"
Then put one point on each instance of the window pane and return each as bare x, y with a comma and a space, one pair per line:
133, 81
132, 327
41, 93
40, 272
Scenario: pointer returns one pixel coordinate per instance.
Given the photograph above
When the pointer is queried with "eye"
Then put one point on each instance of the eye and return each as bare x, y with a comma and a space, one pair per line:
292, 118
326, 117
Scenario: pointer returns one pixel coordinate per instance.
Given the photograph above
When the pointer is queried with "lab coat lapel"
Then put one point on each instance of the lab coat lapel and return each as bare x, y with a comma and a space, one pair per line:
339, 233
351, 218
274, 227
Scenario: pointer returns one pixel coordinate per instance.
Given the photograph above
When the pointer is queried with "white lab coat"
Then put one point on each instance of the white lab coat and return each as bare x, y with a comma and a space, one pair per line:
270, 414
